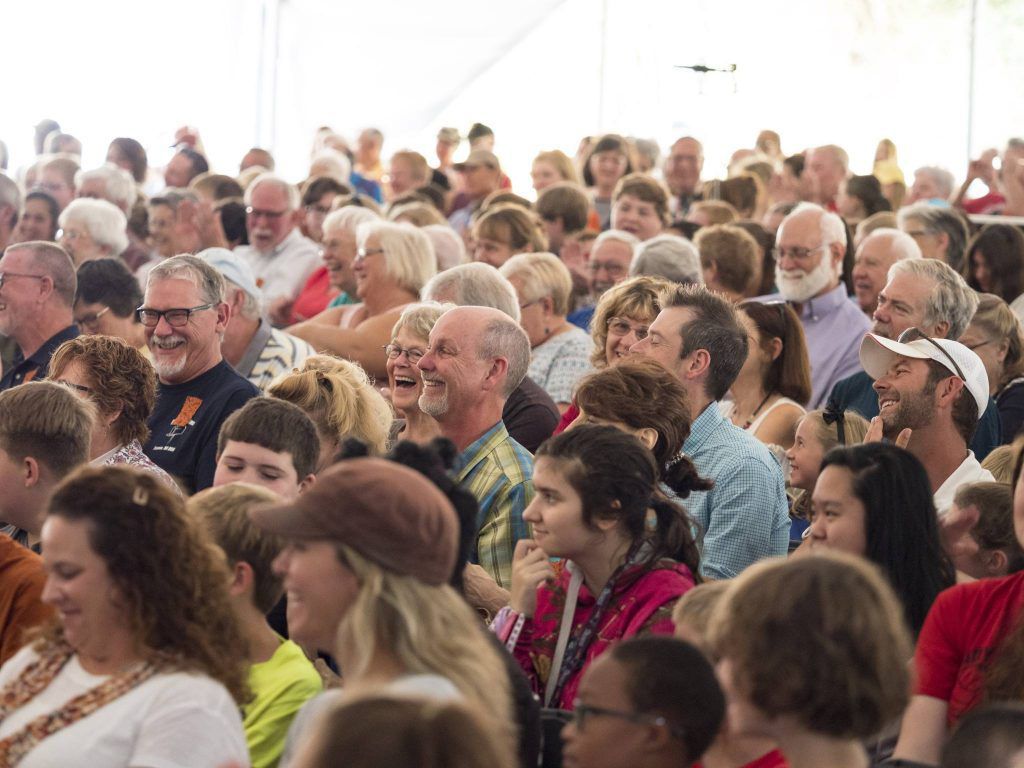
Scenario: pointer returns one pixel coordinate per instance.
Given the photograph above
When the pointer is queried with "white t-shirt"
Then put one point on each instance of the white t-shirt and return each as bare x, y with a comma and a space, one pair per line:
174, 720
425, 686
970, 471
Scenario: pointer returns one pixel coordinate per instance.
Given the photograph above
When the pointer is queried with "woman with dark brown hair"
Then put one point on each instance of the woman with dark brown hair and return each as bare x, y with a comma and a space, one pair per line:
608, 161
970, 651
994, 263
774, 385
145, 664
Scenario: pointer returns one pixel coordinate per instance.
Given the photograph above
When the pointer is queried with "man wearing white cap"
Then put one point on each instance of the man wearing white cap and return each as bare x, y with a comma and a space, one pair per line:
932, 391
255, 349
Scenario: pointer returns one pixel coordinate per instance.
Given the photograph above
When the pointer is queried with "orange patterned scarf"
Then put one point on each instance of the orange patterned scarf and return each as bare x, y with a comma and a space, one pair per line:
35, 679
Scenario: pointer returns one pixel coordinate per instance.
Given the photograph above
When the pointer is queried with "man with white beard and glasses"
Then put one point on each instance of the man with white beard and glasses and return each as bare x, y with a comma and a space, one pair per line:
811, 243
184, 315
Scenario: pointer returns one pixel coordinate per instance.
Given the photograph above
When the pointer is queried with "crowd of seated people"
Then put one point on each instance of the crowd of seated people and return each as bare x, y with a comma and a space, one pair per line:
397, 464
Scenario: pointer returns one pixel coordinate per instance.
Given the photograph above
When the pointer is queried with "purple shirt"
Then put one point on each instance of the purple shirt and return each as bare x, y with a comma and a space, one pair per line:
834, 327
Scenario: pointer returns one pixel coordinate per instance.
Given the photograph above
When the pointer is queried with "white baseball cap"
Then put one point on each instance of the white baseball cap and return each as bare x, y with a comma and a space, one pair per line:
877, 355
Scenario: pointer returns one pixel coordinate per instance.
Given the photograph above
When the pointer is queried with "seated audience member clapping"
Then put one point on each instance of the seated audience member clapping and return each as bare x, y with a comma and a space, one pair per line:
996, 336
968, 653
408, 344
774, 385
505, 230
816, 700
369, 552
989, 549
648, 702
391, 266
342, 402
105, 302
146, 663
281, 678
270, 443
596, 489
874, 501
402, 732
639, 206
730, 260
817, 433
670, 257
561, 351
121, 384
92, 229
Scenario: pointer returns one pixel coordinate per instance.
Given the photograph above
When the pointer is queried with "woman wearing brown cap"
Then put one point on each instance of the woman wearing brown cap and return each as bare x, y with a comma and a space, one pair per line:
371, 548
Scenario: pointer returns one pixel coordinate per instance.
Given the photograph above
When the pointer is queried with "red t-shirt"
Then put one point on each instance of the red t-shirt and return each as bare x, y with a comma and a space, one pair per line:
314, 297
965, 626
773, 759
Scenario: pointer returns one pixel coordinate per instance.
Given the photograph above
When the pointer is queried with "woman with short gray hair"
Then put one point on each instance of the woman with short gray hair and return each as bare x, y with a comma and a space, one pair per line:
561, 351
391, 265
92, 229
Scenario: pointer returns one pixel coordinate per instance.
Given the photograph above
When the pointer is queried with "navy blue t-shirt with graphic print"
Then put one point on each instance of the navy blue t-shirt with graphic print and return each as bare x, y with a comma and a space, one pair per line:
187, 419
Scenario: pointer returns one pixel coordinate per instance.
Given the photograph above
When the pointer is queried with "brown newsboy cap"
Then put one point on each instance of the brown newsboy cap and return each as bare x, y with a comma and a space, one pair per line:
390, 514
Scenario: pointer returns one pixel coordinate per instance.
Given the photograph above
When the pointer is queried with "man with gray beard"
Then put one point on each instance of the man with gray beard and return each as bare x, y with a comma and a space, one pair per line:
184, 316
809, 252
476, 357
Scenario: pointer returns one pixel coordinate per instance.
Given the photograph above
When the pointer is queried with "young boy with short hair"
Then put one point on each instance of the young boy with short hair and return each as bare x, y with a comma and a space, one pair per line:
270, 443
281, 678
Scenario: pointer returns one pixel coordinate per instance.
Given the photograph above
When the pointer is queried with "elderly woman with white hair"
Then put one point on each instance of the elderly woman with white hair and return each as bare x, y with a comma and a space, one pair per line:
333, 284
92, 229
669, 256
449, 248
391, 265
561, 351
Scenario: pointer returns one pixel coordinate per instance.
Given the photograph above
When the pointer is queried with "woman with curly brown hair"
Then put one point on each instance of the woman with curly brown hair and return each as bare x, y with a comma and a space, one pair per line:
116, 378
145, 664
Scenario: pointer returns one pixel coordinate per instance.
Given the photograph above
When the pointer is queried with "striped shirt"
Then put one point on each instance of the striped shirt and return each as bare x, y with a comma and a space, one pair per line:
497, 471
271, 353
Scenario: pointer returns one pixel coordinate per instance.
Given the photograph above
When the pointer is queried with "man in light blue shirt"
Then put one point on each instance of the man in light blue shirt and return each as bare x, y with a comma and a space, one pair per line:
745, 517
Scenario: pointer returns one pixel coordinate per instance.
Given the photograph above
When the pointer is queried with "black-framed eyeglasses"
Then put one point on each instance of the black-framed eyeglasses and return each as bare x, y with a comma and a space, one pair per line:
5, 275
89, 321
913, 334
621, 327
319, 210
176, 318
393, 351
583, 712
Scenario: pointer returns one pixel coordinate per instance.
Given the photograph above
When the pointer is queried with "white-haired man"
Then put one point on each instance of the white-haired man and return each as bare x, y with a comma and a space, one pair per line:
280, 257
826, 168
255, 349
876, 253
809, 252
930, 183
